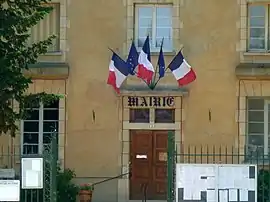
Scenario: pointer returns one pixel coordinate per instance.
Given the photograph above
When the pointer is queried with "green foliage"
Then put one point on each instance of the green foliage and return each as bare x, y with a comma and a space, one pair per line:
16, 19
66, 190
87, 187
264, 185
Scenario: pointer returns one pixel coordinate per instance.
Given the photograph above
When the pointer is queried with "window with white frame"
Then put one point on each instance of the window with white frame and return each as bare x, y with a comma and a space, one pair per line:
258, 130
156, 21
48, 26
37, 129
258, 28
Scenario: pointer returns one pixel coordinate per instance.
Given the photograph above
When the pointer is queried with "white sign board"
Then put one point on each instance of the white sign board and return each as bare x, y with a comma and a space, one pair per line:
32, 173
216, 182
10, 190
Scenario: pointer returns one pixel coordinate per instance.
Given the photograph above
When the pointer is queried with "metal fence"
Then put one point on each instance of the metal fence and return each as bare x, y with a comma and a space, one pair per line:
10, 158
220, 155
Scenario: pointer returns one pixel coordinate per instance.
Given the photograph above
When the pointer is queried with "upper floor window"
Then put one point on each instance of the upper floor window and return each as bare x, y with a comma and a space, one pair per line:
258, 130
155, 21
48, 26
258, 28
36, 131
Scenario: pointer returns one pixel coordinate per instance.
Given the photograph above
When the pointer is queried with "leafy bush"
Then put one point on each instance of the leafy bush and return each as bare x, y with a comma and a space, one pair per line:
263, 185
66, 189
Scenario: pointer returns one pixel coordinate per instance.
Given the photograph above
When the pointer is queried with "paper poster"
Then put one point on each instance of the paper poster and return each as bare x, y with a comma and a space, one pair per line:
36, 165
223, 196
10, 190
243, 195
233, 195
211, 196
32, 178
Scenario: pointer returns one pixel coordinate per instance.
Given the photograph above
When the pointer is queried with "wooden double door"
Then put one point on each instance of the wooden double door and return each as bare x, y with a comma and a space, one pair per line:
148, 155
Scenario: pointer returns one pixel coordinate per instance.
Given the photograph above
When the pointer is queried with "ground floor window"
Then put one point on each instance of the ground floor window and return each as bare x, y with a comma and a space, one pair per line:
37, 129
258, 130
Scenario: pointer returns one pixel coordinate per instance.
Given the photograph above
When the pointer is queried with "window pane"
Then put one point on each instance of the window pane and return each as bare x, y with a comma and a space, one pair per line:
164, 12
257, 22
256, 116
30, 126
139, 115
164, 32
256, 128
51, 115
164, 116
141, 41
47, 137
143, 32
50, 126
256, 104
145, 22
257, 140
167, 43
257, 33
32, 115
164, 22
30, 149
256, 10
30, 138
52, 105
145, 12
256, 44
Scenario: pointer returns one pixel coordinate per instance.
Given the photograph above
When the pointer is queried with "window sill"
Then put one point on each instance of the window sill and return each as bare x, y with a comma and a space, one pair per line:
256, 53
172, 53
53, 53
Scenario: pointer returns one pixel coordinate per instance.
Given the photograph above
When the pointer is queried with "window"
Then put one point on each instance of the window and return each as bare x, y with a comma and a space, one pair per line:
258, 129
155, 21
164, 115
258, 28
37, 130
49, 26
139, 116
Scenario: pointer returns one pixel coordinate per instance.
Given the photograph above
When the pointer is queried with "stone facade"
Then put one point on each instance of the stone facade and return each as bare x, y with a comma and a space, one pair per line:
95, 120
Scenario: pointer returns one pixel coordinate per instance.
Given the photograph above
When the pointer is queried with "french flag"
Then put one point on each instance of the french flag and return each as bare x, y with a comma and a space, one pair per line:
145, 67
181, 70
118, 72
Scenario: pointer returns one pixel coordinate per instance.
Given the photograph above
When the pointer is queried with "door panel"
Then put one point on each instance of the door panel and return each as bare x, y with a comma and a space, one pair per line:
141, 157
160, 164
148, 154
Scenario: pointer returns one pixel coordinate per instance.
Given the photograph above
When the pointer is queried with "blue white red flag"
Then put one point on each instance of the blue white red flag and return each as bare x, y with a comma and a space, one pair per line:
145, 67
118, 72
181, 70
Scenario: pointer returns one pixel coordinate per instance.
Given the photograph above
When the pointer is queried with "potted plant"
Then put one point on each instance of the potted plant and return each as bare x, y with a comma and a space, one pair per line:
85, 193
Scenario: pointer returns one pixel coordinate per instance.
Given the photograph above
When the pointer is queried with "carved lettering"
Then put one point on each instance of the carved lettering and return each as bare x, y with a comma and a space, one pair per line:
156, 102
153, 101
143, 102
133, 101
170, 101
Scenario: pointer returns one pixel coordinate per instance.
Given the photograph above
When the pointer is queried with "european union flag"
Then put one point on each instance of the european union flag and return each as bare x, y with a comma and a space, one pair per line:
161, 62
132, 59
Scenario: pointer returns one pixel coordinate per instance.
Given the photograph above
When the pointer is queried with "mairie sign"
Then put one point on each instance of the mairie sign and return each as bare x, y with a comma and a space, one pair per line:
152, 101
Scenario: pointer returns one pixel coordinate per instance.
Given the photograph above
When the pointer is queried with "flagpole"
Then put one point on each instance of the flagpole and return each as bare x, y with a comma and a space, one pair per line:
166, 69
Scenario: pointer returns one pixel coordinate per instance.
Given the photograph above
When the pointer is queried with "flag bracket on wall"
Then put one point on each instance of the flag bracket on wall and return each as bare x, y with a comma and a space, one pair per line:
139, 64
